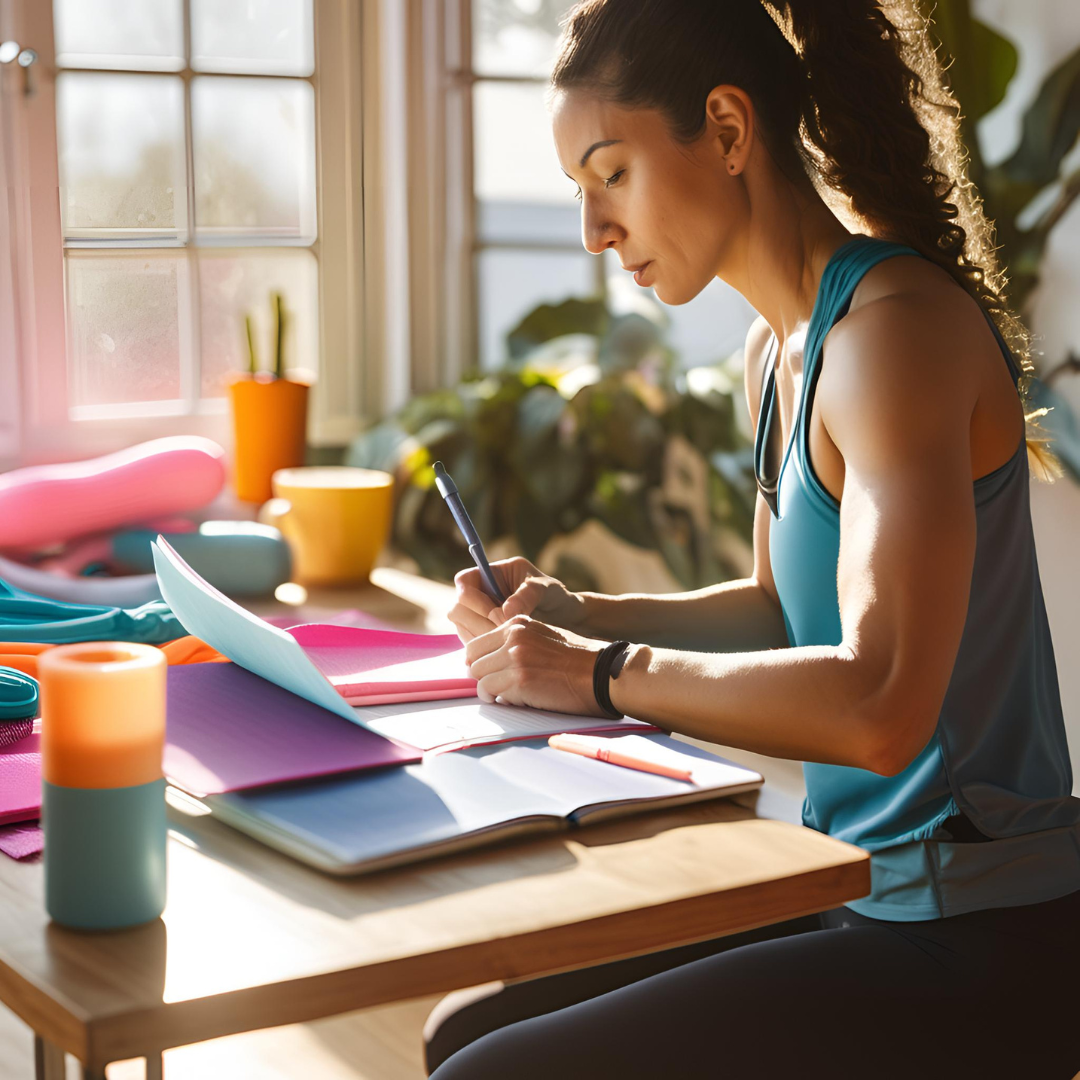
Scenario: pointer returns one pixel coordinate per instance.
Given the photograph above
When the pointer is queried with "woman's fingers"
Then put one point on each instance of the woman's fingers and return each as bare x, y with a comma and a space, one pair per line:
468, 623
498, 682
470, 593
524, 599
483, 644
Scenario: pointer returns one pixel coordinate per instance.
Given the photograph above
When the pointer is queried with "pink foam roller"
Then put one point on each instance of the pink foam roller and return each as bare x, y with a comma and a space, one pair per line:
47, 504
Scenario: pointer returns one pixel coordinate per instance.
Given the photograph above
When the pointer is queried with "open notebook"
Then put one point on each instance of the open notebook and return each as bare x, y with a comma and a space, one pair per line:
450, 802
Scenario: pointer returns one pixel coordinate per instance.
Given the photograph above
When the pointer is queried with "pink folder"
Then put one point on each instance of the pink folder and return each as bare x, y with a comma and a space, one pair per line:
378, 667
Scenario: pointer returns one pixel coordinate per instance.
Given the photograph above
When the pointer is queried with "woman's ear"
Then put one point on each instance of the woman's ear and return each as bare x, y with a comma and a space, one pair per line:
729, 116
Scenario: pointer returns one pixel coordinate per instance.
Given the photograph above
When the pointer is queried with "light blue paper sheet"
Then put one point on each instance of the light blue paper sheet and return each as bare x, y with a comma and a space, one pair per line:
244, 638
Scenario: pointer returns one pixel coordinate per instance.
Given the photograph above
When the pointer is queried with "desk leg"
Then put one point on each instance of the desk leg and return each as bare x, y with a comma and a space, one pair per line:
48, 1060
154, 1067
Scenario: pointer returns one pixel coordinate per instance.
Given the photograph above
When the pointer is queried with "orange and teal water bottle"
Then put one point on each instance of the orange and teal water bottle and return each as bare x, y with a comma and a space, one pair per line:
103, 793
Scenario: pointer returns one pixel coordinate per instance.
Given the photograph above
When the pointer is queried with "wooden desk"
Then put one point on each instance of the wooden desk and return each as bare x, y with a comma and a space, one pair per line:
251, 939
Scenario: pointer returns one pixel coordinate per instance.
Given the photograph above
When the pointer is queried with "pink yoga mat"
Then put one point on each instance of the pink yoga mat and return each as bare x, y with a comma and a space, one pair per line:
21, 841
20, 780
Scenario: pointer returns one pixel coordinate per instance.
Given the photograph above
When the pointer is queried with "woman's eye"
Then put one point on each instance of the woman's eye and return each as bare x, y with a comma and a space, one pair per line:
607, 183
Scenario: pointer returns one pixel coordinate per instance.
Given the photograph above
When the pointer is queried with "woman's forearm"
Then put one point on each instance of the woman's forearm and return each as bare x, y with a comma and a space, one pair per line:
733, 617
811, 703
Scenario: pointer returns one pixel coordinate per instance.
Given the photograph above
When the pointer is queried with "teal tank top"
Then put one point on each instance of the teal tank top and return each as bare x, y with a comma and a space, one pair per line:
984, 815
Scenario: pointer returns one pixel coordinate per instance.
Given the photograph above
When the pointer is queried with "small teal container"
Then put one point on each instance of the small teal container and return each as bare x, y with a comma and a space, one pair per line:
104, 854
103, 793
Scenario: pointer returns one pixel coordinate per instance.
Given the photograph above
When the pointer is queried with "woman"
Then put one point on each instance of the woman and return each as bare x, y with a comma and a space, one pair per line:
893, 635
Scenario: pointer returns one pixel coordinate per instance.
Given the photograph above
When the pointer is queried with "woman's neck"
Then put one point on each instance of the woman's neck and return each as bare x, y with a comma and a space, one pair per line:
788, 240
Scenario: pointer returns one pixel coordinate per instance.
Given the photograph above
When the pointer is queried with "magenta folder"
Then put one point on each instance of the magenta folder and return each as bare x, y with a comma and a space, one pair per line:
380, 667
228, 729
20, 780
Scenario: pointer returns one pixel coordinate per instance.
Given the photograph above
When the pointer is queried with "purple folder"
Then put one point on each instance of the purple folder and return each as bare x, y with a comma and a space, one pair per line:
228, 729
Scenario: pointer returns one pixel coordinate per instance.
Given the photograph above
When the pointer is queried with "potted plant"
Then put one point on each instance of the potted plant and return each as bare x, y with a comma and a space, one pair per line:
269, 416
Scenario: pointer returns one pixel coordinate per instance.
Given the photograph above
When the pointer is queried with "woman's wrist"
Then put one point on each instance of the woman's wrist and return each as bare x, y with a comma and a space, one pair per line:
620, 690
596, 615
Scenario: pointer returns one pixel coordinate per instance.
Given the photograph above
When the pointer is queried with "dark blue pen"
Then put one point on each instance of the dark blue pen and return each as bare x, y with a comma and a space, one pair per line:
448, 490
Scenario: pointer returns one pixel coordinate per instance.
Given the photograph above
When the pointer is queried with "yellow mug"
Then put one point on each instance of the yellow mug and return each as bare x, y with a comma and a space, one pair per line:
335, 518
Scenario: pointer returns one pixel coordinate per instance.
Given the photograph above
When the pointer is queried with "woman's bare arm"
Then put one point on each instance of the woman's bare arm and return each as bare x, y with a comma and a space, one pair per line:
907, 547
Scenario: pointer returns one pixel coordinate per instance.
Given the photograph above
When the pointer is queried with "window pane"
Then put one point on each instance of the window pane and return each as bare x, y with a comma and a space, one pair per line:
233, 284
121, 149
124, 328
254, 142
709, 328
258, 37
501, 221
515, 37
142, 35
515, 151
512, 283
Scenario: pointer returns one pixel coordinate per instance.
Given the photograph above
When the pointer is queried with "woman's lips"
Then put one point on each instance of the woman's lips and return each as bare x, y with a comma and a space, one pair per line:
639, 274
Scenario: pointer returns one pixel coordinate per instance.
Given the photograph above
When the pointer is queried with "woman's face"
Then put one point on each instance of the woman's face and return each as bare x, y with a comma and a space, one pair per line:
655, 201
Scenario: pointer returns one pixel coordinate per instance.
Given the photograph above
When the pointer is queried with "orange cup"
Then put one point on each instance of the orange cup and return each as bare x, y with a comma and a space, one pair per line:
269, 429
102, 714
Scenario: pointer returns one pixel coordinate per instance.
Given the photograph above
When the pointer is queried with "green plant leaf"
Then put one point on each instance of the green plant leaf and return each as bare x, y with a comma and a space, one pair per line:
572, 316
983, 62
1051, 126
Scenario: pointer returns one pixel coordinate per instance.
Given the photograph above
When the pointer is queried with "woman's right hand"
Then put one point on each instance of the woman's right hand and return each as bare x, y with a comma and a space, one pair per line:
528, 592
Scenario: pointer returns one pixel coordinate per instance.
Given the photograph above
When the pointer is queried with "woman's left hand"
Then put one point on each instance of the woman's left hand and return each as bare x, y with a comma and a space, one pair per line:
526, 662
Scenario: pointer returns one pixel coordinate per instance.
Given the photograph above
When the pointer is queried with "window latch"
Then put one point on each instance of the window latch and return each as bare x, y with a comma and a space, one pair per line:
11, 52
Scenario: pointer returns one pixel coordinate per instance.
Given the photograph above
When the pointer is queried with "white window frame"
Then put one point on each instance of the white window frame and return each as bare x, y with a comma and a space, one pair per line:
353, 190
444, 245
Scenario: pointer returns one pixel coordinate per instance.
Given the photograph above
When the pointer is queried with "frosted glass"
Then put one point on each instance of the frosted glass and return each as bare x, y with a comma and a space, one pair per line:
233, 284
515, 151
257, 37
124, 328
512, 283
141, 35
515, 37
254, 143
121, 151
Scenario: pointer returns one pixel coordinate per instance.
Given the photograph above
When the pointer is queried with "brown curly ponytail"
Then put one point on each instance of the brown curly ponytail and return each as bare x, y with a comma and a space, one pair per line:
848, 92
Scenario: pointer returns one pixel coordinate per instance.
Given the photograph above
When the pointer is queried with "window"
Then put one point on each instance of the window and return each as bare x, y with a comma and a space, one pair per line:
201, 156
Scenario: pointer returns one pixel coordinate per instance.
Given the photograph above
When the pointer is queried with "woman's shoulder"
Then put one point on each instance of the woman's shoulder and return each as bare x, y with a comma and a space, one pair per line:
912, 335
909, 298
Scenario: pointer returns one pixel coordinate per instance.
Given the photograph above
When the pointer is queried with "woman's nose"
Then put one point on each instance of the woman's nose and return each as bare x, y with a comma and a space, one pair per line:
596, 234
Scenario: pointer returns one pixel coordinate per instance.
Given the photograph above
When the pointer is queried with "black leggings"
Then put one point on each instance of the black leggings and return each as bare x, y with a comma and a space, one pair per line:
991, 994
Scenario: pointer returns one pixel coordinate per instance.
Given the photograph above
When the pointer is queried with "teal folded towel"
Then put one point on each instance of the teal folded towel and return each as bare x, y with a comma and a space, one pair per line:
27, 617
18, 705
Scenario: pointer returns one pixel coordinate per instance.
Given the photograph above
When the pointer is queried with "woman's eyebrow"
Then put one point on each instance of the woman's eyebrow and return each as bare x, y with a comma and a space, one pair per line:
595, 146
